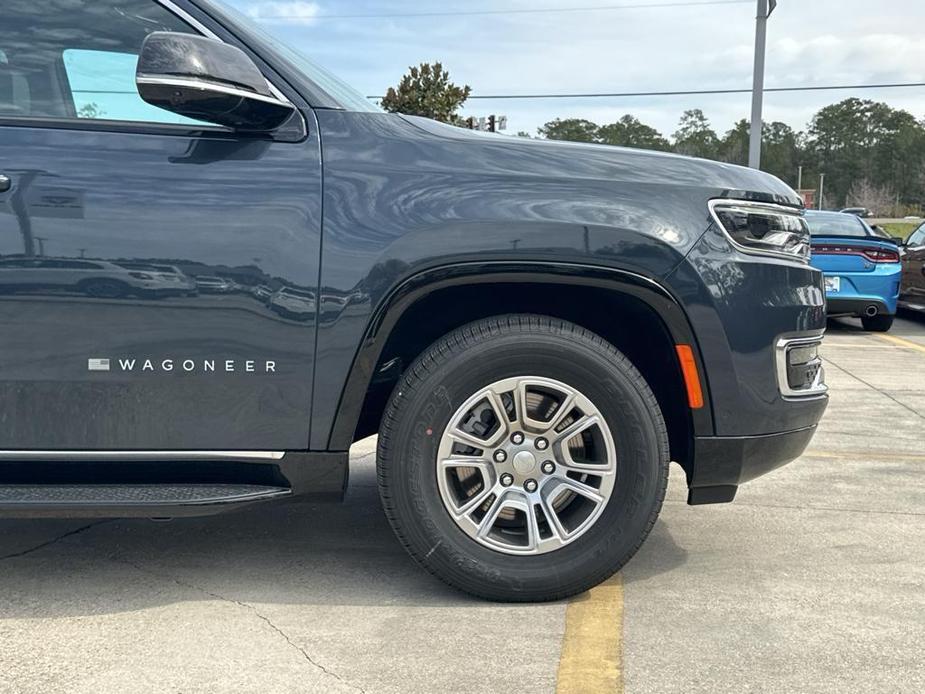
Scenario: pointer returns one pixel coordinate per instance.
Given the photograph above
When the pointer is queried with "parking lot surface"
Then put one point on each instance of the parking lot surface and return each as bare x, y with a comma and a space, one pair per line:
813, 580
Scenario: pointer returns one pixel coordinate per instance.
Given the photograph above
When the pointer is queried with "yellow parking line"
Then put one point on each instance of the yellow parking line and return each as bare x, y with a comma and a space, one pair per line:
592, 648
864, 455
902, 342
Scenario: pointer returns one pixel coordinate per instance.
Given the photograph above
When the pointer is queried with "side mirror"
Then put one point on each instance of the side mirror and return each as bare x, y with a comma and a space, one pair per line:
899, 241
208, 80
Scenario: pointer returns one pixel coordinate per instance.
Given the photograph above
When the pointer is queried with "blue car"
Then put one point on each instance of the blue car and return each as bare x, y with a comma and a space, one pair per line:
862, 269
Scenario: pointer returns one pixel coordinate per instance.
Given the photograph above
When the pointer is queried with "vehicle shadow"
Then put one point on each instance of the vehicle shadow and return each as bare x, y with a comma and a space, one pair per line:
300, 554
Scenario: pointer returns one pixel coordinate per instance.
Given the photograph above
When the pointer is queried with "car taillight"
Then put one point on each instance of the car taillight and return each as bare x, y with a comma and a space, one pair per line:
875, 255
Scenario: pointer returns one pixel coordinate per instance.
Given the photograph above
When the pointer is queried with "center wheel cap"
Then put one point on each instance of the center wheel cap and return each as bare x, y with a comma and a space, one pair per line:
524, 462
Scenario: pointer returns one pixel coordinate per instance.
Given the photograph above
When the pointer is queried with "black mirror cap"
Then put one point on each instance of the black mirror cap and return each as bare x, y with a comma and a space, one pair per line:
207, 80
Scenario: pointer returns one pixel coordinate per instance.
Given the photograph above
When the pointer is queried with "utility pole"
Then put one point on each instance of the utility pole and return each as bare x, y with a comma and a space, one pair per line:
821, 190
799, 178
765, 8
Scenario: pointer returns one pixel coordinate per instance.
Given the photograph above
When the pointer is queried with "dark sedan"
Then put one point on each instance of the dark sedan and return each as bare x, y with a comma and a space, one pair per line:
912, 294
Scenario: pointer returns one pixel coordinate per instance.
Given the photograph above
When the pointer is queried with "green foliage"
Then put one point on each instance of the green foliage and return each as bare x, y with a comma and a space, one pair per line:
572, 129
90, 110
427, 91
901, 229
864, 148
695, 137
859, 139
629, 132
626, 132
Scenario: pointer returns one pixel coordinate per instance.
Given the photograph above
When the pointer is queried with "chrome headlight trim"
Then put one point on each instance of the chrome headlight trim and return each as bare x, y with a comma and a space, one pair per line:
782, 210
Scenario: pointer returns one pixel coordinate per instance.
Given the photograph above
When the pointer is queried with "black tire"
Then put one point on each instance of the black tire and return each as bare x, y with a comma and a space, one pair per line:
880, 323
451, 371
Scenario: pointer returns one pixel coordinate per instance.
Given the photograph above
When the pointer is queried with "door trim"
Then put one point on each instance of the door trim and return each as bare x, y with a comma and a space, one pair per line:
140, 455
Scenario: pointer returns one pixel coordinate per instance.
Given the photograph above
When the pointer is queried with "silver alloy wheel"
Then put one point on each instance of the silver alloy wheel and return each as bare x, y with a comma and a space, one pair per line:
526, 465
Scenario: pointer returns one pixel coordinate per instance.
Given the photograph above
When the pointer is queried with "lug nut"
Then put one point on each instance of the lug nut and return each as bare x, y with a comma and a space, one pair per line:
507, 480
517, 438
548, 467
500, 456
542, 444
530, 485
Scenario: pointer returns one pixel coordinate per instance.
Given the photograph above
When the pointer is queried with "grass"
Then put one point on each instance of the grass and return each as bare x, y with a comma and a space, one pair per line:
902, 229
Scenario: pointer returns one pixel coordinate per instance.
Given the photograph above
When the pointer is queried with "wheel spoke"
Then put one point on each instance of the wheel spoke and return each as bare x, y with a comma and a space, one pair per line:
576, 427
559, 533
488, 481
515, 520
539, 425
585, 490
488, 520
533, 526
562, 412
467, 439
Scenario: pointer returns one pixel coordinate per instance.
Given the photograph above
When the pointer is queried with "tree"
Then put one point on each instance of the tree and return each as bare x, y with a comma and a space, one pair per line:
695, 137
860, 139
880, 200
630, 132
427, 91
574, 129
90, 110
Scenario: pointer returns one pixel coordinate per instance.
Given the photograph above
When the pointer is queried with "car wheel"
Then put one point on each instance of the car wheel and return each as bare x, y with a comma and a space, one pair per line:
880, 323
522, 458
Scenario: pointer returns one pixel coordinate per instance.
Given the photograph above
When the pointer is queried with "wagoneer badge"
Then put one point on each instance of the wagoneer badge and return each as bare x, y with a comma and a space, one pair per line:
187, 365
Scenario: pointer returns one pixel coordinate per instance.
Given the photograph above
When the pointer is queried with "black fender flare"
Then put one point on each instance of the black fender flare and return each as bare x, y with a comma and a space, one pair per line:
407, 292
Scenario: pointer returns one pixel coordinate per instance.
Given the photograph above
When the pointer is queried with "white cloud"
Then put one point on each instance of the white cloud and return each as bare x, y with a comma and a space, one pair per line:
291, 12
823, 42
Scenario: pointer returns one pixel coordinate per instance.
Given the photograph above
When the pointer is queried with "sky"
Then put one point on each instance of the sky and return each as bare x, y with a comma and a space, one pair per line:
634, 45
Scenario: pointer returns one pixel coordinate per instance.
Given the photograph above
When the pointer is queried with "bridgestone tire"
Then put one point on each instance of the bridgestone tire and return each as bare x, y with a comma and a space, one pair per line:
451, 371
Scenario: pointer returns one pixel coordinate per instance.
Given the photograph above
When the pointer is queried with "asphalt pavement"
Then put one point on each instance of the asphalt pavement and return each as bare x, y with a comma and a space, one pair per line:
813, 580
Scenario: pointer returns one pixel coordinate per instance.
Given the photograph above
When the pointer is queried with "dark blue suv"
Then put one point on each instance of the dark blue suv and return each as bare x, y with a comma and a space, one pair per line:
534, 329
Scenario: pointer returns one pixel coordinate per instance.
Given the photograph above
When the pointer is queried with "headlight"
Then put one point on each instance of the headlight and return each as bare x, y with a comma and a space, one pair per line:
761, 228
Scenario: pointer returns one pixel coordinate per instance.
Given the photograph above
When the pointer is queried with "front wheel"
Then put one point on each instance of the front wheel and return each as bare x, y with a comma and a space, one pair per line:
522, 458
880, 323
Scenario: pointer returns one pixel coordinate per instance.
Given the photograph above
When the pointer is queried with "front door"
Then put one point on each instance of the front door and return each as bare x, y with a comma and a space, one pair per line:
913, 283
142, 255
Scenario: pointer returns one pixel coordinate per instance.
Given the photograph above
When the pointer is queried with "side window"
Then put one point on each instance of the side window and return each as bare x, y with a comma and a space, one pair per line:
918, 237
102, 85
77, 58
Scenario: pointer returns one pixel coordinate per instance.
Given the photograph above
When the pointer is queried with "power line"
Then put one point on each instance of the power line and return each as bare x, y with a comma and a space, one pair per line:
470, 13
691, 92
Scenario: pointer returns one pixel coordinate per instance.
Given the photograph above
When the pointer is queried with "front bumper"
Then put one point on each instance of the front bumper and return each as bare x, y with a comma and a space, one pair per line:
722, 463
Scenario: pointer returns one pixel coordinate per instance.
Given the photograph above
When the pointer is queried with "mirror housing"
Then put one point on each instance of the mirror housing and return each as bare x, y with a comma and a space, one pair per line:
899, 241
207, 80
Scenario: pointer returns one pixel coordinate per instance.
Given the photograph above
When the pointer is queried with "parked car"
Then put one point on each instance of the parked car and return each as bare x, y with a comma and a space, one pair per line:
94, 278
862, 212
539, 326
209, 284
294, 303
912, 294
175, 281
862, 269
261, 292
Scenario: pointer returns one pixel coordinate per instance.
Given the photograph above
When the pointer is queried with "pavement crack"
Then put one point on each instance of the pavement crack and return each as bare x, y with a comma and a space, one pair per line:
54, 540
247, 606
874, 388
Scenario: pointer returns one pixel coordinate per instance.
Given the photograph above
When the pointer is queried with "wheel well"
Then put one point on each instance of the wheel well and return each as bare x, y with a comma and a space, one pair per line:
623, 320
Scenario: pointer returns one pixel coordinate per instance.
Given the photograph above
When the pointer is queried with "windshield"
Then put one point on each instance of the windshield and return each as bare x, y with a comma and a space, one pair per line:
835, 224
348, 97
